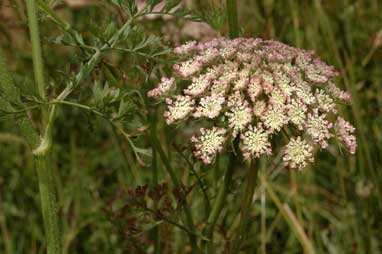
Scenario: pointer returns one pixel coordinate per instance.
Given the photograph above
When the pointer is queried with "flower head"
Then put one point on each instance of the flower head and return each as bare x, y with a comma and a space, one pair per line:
325, 102
254, 87
275, 118
209, 106
318, 127
198, 86
209, 143
296, 111
188, 68
163, 87
259, 108
298, 153
255, 142
338, 93
179, 108
242, 83
186, 48
345, 133
239, 114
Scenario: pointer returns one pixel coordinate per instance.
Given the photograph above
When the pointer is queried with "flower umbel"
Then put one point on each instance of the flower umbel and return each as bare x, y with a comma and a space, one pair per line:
164, 86
318, 128
345, 133
298, 153
178, 108
255, 142
209, 143
209, 106
242, 83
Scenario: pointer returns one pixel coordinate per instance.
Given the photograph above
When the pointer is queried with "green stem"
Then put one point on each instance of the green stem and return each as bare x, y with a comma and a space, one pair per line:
218, 204
177, 183
246, 206
291, 219
36, 48
36, 54
48, 204
156, 232
42, 157
233, 23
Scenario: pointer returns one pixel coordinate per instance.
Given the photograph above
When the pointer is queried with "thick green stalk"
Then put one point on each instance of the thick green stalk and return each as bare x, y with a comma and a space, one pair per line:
42, 158
233, 23
246, 206
218, 204
48, 204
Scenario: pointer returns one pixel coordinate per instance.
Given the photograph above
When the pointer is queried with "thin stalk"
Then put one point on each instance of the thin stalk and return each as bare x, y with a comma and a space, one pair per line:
233, 23
154, 167
126, 156
296, 195
218, 204
291, 219
36, 48
263, 234
199, 182
246, 206
156, 231
177, 183
263, 225
42, 159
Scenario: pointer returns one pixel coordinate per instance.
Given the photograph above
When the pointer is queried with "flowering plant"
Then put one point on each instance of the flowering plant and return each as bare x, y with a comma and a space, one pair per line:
255, 90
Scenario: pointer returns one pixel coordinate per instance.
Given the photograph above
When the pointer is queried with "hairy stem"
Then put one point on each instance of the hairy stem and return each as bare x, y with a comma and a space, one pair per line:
48, 204
218, 204
42, 159
233, 23
245, 206
36, 52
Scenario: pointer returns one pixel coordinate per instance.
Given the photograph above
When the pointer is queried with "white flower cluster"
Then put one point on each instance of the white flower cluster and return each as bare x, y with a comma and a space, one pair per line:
252, 90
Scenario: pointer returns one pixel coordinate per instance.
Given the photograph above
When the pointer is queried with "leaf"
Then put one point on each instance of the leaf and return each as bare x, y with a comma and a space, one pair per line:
170, 4
149, 226
109, 31
97, 94
151, 40
125, 34
145, 151
125, 107
7, 86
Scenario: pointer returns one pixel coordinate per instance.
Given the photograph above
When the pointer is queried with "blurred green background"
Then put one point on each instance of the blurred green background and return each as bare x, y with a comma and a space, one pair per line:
338, 200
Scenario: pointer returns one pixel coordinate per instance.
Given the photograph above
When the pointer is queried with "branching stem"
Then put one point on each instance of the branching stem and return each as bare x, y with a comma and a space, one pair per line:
42, 158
